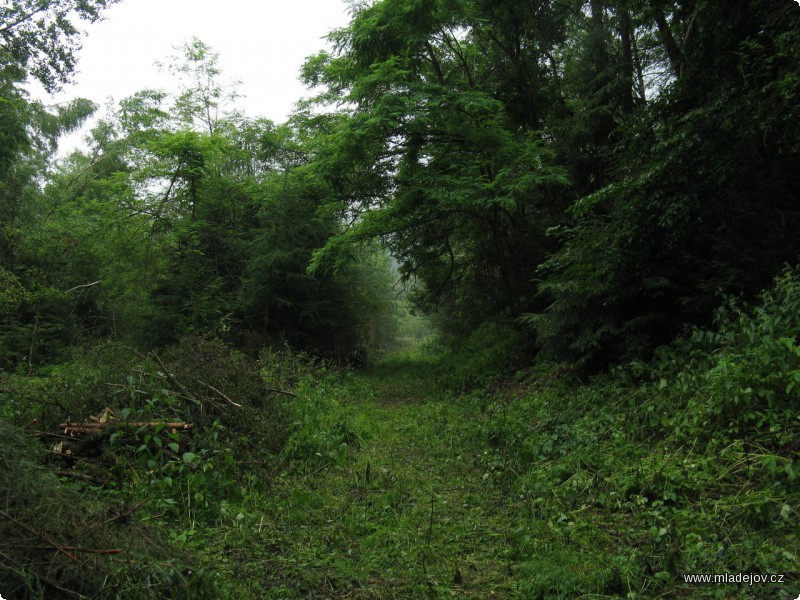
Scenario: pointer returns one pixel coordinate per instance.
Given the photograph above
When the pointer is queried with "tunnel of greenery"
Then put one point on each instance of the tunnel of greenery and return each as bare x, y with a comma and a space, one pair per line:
509, 308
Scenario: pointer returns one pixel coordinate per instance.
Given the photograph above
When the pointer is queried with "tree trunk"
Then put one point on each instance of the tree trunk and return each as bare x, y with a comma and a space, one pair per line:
626, 68
637, 59
668, 40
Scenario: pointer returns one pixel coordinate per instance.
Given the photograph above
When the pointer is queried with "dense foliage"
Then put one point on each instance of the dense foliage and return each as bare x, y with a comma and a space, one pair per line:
182, 217
398, 484
604, 170
601, 172
694, 454
593, 203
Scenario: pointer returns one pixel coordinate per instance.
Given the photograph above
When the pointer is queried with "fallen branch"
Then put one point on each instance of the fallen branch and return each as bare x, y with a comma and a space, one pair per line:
44, 579
211, 387
47, 434
84, 550
79, 476
99, 427
33, 343
123, 515
174, 381
39, 535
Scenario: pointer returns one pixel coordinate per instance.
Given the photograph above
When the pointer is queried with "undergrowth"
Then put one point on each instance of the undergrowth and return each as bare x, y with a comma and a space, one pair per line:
161, 482
63, 541
687, 464
398, 484
418, 478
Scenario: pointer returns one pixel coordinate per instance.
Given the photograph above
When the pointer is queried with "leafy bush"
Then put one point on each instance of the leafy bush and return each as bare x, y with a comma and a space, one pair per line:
745, 376
239, 427
238, 424
491, 351
180, 480
77, 387
685, 464
321, 431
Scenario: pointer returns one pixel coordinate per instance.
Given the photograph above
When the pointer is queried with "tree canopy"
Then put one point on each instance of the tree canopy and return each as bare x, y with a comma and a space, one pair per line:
595, 169
42, 37
595, 175
588, 198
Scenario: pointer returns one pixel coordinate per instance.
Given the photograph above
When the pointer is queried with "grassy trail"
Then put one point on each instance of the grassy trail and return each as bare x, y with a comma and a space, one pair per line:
411, 512
391, 488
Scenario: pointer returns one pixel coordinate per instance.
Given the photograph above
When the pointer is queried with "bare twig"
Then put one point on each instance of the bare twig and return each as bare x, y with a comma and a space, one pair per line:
211, 387
23, 16
174, 381
278, 391
85, 550
81, 477
112, 425
85, 285
33, 344
44, 579
47, 434
122, 515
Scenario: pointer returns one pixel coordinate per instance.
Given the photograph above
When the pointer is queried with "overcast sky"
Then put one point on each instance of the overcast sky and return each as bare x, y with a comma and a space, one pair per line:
261, 42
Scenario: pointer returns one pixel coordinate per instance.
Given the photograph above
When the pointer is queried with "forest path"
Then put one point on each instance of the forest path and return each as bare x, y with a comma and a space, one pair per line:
413, 512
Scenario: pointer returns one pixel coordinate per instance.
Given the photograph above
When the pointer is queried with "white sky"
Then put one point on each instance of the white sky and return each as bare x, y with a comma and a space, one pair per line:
262, 43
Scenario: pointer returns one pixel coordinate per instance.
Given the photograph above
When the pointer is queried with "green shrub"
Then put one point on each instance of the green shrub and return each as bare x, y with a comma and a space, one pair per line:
322, 431
77, 388
181, 479
742, 379
492, 351
684, 464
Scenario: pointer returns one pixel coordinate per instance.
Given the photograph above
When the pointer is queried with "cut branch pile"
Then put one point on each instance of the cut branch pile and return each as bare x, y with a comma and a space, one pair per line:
108, 427
59, 542
103, 425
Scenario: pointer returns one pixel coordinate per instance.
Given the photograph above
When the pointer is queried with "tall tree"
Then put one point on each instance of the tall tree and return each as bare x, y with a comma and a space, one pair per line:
37, 38
440, 155
42, 38
703, 202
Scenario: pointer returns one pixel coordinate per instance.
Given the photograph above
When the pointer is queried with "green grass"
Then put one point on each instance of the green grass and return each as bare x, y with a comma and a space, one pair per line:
394, 487
391, 485
409, 513
396, 482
